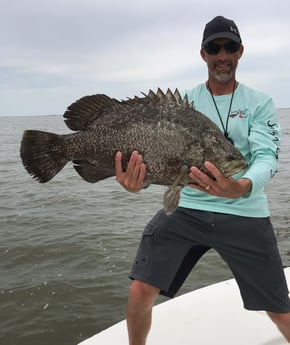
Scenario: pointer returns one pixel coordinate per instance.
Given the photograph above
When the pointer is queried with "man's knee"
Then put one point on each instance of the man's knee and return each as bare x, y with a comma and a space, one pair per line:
142, 293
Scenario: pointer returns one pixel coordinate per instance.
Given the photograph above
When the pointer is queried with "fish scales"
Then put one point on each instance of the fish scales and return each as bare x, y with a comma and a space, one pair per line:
169, 133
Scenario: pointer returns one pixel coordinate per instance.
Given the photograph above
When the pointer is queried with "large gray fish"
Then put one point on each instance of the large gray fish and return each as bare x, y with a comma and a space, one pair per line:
165, 128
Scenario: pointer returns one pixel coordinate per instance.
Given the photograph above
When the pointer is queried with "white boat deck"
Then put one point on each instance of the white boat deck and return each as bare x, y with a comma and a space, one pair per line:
213, 315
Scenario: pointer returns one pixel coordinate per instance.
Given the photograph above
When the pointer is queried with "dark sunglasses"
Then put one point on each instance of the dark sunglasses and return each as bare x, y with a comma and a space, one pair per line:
214, 48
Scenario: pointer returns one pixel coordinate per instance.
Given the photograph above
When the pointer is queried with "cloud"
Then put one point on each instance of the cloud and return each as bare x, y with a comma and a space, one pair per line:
62, 49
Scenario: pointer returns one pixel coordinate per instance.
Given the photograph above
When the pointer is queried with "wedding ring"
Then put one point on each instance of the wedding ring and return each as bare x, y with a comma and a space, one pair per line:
207, 187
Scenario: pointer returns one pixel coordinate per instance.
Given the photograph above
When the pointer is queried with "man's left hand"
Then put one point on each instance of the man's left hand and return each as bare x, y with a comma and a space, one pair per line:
222, 186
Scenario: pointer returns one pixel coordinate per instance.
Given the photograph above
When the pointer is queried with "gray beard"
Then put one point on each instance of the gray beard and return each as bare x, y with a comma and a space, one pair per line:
222, 77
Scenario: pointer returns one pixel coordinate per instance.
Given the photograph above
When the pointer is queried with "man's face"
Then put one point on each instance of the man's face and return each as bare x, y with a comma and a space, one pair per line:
222, 56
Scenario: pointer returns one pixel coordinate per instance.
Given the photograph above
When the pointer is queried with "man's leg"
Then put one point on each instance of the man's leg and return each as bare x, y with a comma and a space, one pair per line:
139, 310
282, 321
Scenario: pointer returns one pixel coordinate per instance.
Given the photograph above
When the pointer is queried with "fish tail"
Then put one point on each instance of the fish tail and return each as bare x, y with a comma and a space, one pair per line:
42, 154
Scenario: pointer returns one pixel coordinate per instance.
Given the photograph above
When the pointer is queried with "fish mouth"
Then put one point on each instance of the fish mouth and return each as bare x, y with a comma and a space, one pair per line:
233, 169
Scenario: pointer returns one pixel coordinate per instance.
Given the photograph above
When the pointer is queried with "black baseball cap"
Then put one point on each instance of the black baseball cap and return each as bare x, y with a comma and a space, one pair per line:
220, 27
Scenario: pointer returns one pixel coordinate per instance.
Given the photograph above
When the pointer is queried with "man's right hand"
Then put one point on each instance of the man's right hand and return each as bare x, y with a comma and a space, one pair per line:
133, 178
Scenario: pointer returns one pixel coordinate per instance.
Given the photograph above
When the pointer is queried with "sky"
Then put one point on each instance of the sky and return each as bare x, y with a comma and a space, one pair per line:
56, 51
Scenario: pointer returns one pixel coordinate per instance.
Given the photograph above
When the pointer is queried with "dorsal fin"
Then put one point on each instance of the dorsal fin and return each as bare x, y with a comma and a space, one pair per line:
177, 97
162, 98
170, 97
186, 103
80, 114
154, 98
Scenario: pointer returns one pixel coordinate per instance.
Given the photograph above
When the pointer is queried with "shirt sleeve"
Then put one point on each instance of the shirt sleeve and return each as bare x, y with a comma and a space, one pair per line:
264, 138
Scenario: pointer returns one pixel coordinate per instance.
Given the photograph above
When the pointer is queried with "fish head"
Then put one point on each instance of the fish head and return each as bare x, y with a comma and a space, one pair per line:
232, 164
224, 155
219, 151
227, 158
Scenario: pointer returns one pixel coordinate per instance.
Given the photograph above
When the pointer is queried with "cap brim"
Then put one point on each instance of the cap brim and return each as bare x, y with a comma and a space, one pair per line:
228, 35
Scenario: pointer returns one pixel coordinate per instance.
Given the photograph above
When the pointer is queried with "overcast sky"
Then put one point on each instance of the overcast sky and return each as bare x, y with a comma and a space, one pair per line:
56, 51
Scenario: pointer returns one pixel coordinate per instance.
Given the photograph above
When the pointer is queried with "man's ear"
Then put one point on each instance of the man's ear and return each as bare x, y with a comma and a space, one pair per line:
202, 54
241, 51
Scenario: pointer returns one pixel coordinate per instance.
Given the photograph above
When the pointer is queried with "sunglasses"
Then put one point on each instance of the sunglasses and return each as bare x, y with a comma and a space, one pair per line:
214, 48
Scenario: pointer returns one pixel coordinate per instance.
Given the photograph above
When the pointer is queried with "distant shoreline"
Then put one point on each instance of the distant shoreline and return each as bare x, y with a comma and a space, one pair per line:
7, 116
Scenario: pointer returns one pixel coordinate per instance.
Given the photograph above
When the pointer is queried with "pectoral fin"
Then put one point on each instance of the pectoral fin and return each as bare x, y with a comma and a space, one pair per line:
92, 173
172, 195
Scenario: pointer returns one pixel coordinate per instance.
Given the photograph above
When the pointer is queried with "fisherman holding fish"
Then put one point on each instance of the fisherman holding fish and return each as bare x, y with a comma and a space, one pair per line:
228, 214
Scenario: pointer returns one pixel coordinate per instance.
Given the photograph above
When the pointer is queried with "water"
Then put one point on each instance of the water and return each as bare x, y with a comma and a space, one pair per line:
67, 246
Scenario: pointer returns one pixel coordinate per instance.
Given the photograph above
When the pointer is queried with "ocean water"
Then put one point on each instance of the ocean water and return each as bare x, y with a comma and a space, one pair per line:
66, 247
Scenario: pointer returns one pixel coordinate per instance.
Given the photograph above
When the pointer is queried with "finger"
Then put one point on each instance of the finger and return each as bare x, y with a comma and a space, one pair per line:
134, 178
133, 168
132, 161
203, 188
118, 164
205, 183
199, 177
214, 170
138, 173
142, 173
196, 186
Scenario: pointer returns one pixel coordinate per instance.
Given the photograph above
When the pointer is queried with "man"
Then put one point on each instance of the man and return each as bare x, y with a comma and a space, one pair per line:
229, 215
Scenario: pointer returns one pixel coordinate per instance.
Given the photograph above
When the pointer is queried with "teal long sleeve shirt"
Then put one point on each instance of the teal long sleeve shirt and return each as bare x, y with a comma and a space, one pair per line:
254, 127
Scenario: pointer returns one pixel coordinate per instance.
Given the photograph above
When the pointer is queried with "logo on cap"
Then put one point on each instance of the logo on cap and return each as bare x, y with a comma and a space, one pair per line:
234, 30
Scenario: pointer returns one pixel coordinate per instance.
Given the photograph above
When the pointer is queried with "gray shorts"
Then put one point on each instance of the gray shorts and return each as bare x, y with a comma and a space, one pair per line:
172, 245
